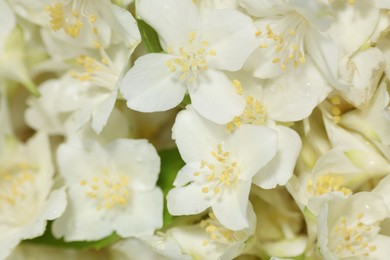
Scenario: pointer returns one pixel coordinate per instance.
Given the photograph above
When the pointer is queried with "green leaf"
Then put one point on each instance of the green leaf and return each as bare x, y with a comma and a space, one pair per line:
171, 163
149, 37
48, 239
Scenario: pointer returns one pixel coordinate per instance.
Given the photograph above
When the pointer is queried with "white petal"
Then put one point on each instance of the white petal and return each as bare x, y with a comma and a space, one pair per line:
54, 207
232, 35
367, 70
195, 136
81, 219
186, 174
325, 54
150, 86
173, 20
260, 8
102, 112
214, 97
314, 12
187, 200
7, 21
293, 96
124, 25
360, 15
231, 209
253, 146
280, 169
144, 216
138, 159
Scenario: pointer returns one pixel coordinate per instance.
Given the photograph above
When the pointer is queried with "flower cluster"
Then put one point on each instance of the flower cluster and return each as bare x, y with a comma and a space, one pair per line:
195, 129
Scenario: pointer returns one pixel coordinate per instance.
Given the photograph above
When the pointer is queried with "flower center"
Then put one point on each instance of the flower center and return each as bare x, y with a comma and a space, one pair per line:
191, 58
286, 35
354, 239
223, 172
254, 114
71, 17
17, 190
327, 183
13, 182
101, 73
218, 233
109, 190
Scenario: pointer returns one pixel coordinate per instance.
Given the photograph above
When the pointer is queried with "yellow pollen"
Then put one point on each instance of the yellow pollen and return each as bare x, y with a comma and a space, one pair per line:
109, 191
92, 18
14, 181
238, 87
355, 238
190, 59
254, 113
327, 183
221, 173
218, 233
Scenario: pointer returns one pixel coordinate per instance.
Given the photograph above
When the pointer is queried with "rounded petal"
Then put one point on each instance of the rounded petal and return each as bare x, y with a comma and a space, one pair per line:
195, 136
293, 96
254, 146
214, 97
231, 209
173, 20
138, 159
81, 219
232, 35
102, 112
144, 217
187, 200
150, 86
280, 169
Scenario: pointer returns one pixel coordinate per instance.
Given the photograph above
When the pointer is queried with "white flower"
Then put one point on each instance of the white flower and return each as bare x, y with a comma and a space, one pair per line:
287, 32
110, 188
89, 24
197, 49
291, 97
219, 167
333, 173
26, 197
209, 239
80, 96
349, 228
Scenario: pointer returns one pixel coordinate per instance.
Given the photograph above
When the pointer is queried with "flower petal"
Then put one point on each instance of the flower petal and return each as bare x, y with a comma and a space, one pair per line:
195, 136
214, 97
173, 20
293, 96
232, 35
254, 147
144, 217
150, 86
280, 169
231, 209
187, 200
134, 157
